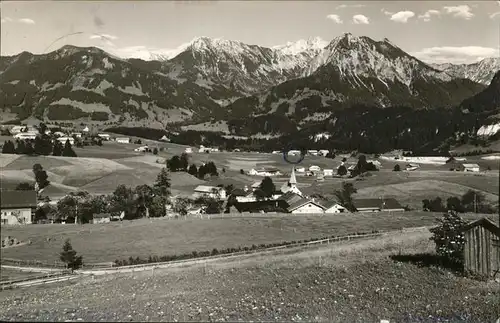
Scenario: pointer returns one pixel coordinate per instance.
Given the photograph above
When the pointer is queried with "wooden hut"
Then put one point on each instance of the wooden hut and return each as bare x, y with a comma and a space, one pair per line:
482, 248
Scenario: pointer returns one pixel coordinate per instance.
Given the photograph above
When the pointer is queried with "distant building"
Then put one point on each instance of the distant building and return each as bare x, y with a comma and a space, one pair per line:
104, 136
327, 172
188, 150
300, 169
266, 171
123, 140
164, 138
26, 135
142, 148
101, 218
313, 152
214, 192
315, 168
378, 205
207, 150
305, 206
76, 134
323, 152
59, 134
470, 167
86, 129
277, 152
411, 167
17, 207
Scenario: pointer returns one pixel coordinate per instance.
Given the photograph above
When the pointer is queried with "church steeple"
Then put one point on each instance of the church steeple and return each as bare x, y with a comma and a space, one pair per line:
291, 185
293, 179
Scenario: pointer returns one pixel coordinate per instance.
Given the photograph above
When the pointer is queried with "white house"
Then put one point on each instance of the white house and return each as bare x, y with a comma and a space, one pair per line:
142, 148
76, 134
188, 150
300, 169
333, 207
313, 152
17, 207
327, 172
411, 167
25, 135
305, 206
204, 149
63, 140
294, 152
276, 152
471, 167
86, 129
210, 191
266, 171
17, 129
123, 140
164, 138
315, 168
323, 152
104, 136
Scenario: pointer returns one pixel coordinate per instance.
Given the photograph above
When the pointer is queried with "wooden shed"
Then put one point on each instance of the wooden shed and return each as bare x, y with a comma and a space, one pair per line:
482, 248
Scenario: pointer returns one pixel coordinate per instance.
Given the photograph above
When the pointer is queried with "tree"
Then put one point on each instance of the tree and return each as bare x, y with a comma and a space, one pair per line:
57, 148
330, 155
344, 159
397, 168
69, 257
68, 150
435, 205
344, 196
122, 200
472, 200
180, 206
162, 184
184, 162
267, 186
193, 170
40, 176
259, 194
20, 147
449, 238
28, 148
454, 204
173, 164
43, 145
155, 151
342, 170
8, 148
242, 172
158, 206
145, 195
25, 187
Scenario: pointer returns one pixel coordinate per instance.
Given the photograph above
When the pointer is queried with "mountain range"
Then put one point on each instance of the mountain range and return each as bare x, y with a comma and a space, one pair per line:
304, 83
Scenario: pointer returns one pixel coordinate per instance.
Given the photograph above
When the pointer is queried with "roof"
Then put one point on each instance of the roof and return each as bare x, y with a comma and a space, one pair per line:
207, 189
239, 192
485, 222
290, 197
256, 184
293, 179
267, 169
17, 199
300, 203
471, 165
328, 204
388, 203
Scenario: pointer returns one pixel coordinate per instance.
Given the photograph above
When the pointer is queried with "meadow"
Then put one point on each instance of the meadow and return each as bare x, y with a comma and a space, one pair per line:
353, 281
161, 236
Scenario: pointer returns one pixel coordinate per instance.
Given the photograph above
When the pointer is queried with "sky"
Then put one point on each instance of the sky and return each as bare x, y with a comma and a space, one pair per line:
434, 31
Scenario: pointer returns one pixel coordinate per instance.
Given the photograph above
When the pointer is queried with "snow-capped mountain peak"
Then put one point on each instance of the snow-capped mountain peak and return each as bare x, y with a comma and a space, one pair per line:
481, 72
302, 45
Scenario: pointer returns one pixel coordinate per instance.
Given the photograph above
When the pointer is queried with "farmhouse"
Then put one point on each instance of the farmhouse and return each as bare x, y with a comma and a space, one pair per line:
482, 248
17, 207
210, 191
123, 140
86, 129
64, 139
470, 167
207, 150
164, 138
305, 206
312, 152
411, 167
142, 148
25, 135
101, 218
327, 172
315, 168
76, 134
323, 152
104, 136
300, 169
333, 207
266, 171
17, 129
188, 150
377, 205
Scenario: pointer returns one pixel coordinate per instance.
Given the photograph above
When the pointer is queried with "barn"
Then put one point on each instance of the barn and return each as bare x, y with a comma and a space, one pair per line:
482, 248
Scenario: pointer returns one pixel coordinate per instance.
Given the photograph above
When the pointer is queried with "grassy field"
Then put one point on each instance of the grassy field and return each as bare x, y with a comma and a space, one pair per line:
342, 282
108, 242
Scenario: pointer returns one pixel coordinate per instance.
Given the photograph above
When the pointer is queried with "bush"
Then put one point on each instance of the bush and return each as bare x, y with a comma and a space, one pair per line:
397, 168
69, 257
449, 238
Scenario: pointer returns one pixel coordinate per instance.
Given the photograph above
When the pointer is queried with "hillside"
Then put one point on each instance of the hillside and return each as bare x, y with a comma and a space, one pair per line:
86, 83
480, 72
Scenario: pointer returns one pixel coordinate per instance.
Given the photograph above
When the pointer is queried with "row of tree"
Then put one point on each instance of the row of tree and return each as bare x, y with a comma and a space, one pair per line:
38, 146
471, 201
181, 164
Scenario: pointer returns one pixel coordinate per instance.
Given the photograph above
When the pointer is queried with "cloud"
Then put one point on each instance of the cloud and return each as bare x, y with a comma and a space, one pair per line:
428, 14
106, 38
456, 55
147, 53
6, 19
402, 16
343, 6
360, 20
462, 11
27, 21
495, 14
335, 18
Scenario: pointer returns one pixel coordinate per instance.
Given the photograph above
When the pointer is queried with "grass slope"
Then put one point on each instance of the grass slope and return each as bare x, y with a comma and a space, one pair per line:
344, 282
101, 243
